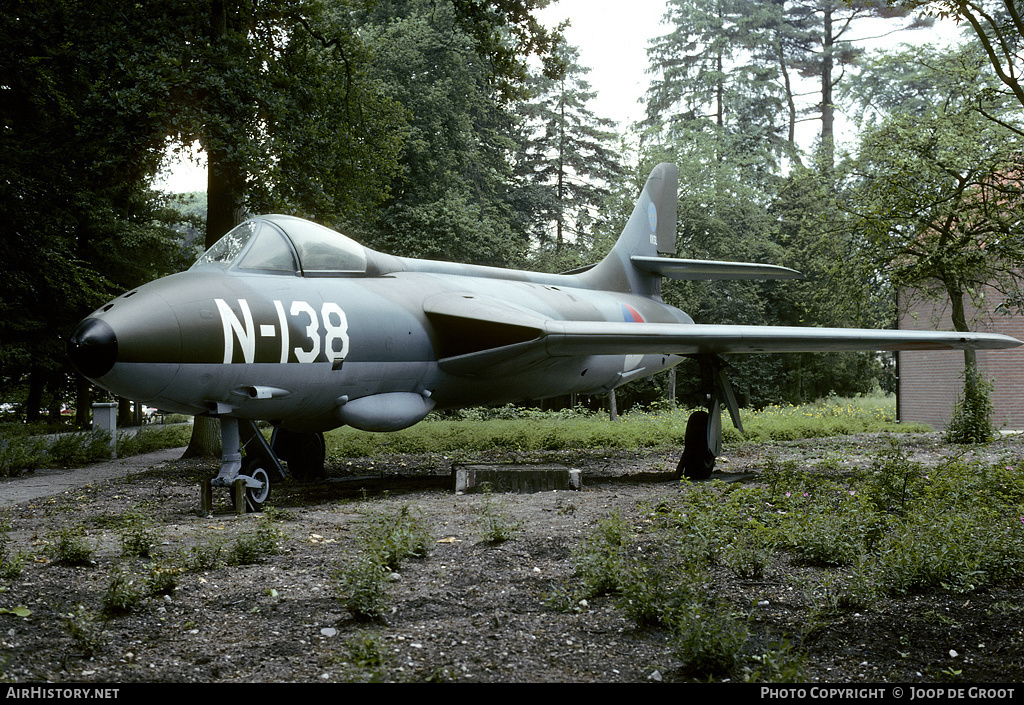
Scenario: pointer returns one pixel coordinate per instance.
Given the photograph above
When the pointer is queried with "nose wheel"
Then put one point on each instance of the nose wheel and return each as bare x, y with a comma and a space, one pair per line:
250, 480
257, 485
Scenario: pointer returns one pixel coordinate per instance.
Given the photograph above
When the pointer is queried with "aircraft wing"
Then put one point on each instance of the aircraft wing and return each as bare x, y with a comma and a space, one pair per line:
554, 339
567, 338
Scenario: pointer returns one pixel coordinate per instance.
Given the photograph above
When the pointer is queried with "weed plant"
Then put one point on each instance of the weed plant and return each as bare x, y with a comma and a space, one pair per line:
11, 565
123, 594
139, 538
85, 630
971, 420
496, 525
368, 656
896, 529
69, 546
256, 546
385, 539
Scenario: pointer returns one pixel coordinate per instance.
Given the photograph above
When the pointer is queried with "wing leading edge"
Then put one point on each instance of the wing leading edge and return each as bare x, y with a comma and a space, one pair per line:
554, 339
570, 338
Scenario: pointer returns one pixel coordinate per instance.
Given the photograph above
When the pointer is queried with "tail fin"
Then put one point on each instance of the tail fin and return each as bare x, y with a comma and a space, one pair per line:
651, 230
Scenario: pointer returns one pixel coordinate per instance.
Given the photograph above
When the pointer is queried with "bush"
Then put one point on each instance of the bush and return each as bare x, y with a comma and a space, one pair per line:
971, 421
385, 540
75, 449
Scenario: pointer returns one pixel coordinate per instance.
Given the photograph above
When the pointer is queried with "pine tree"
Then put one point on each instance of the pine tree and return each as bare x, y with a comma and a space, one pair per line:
566, 157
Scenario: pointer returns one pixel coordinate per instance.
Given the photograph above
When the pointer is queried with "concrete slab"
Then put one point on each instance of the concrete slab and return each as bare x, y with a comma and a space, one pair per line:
515, 478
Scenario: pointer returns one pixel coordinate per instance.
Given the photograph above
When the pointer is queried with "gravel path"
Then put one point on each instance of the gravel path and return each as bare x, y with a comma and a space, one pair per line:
49, 482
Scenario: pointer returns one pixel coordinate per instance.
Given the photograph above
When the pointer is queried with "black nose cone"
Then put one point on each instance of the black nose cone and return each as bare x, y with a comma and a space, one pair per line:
93, 348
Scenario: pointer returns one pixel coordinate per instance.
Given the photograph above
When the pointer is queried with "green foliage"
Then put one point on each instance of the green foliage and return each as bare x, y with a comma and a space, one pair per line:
139, 538
21, 453
69, 546
496, 526
709, 639
123, 594
971, 421
205, 556
895, 529
393, 536
152, 438
479, 430
71, 450
362, 587
10, 564
85, 630
255, 546
368, 657
600, 559
781, 662
892, 480
386, 538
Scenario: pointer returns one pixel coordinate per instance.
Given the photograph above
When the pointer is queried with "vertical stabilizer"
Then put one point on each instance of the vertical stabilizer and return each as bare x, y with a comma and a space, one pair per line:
651, 231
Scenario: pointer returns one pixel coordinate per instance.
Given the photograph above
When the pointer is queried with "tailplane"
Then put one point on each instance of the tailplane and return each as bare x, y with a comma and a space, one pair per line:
650, 231
643, 253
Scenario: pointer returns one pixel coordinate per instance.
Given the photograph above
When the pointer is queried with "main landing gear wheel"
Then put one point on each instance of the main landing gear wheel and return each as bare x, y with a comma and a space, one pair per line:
698, 460
305, 454
255, 497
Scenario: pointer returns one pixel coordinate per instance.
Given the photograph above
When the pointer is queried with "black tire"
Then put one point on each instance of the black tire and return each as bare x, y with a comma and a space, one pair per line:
305, 454
697, 461
255, 498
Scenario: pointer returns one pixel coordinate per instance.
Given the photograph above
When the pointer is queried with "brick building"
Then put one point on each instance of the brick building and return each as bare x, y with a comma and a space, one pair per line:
930, 381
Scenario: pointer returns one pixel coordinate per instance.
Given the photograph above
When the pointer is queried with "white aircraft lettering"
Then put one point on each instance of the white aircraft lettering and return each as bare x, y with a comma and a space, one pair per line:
334, 342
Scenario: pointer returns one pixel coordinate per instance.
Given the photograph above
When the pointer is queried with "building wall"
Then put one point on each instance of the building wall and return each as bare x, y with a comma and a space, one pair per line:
930, 381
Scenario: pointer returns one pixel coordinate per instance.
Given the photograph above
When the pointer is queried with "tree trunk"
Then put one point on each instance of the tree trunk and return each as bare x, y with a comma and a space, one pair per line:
225, 192
827, 105
205, 440
959, 319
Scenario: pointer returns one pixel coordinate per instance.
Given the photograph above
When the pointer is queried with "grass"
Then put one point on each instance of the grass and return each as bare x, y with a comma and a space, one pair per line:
480, 430
475, 431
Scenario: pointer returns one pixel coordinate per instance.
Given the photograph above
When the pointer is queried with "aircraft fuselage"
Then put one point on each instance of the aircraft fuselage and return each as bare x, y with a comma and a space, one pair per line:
298, 351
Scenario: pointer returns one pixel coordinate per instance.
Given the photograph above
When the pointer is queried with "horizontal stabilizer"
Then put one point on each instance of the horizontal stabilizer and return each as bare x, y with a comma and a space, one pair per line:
709, 270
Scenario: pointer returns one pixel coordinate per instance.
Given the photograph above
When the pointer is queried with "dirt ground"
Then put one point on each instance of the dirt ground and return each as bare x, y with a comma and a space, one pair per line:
471, 611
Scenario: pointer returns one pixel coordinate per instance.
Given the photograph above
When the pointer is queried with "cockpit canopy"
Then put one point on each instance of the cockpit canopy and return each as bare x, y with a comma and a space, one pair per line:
287, 245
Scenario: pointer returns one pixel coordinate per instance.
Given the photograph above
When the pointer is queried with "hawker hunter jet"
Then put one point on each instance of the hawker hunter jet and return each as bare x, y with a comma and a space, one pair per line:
286, 321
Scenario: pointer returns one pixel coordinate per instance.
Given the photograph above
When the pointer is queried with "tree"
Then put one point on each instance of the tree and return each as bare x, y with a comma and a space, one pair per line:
999, 28
937, 199
566, 163
712, 77
294, 116
452, 198
81, 224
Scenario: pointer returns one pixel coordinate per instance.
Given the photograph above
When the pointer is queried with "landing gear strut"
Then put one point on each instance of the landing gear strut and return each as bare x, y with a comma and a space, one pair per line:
251, 480
703, 441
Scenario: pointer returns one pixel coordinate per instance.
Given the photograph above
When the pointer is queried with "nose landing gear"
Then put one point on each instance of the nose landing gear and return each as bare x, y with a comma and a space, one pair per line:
249, 480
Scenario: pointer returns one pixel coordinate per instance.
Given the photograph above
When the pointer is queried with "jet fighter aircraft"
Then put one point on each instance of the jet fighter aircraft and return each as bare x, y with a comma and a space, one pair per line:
284, 320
